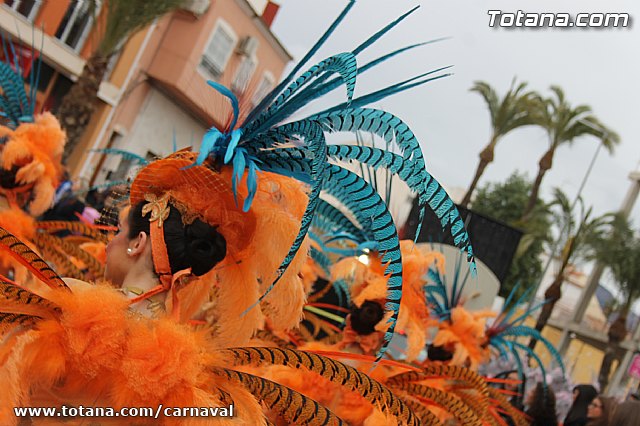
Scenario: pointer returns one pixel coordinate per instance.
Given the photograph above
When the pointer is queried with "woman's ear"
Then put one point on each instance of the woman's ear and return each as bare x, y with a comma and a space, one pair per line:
138, 245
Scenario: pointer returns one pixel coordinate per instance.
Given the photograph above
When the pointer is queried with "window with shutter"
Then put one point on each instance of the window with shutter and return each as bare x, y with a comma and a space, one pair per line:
216, 55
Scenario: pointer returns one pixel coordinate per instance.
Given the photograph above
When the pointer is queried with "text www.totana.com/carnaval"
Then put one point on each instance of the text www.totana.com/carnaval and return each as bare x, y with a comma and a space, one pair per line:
524, 20
157, 412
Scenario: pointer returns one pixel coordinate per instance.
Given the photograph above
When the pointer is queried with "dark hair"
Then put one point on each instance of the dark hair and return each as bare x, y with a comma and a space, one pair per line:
364, 319
543, 407
577, 414
198, 246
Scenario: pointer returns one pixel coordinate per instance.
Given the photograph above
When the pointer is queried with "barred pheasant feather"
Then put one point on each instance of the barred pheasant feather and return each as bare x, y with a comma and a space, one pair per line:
267, 141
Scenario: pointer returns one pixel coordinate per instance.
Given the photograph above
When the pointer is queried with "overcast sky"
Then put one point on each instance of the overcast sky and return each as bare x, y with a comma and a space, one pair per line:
599, 67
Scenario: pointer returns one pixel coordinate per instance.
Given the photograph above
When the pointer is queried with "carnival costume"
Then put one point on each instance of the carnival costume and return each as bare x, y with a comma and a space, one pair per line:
31, 150
78, 343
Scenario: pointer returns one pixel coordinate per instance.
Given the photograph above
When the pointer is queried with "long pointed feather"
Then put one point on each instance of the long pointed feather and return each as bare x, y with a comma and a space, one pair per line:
343, 64
92, 232
383, 31
24, 297
532, 332
370, 210
11, 320
293, 406
451, 403
313, 134
330, 369
272, 95
126, 155
389, 126
321, 87
427, 417
27, 257
436, 371
378, 95
69, 249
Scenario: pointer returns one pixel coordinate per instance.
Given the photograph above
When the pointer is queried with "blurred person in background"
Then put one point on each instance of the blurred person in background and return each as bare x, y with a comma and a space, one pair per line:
541, 406
582, 397
600, 411
626, 414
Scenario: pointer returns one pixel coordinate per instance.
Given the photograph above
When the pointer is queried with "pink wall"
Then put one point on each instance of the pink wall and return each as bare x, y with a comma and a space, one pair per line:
175, 64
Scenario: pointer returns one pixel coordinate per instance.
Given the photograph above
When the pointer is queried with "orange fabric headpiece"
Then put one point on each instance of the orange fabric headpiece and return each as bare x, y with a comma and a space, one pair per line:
158, 208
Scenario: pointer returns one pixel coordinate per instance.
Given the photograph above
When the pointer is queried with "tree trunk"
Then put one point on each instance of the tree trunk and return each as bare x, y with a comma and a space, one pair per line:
79, 103
552, 295
617, 333
554, 292
486, 157
546, 162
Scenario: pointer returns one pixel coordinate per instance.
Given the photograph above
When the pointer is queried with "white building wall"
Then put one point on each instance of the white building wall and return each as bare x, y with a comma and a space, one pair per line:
157, 121
153, 131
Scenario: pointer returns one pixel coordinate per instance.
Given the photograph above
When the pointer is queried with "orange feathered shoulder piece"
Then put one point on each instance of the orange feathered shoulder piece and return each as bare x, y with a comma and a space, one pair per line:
111, 357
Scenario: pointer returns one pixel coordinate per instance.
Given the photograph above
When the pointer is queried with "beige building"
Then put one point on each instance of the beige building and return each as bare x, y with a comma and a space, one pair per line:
155, 90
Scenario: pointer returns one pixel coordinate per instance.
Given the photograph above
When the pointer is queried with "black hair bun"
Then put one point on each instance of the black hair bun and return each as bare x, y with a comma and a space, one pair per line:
365, 318
198, 246
8, 177
205, 247
438, 353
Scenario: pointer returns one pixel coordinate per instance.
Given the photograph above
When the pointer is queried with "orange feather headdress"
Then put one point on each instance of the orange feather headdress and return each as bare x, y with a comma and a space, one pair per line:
463, 334
33, 153
367, 282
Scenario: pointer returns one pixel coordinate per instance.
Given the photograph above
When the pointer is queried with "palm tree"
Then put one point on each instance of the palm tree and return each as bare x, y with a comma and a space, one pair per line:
619, 250
578, 235
564, 124
513, 111
505, 202
122, 19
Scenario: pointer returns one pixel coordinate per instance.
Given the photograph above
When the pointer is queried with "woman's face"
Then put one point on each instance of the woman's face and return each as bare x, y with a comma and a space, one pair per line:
594, 410
118, 260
